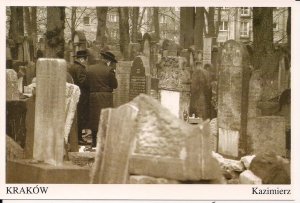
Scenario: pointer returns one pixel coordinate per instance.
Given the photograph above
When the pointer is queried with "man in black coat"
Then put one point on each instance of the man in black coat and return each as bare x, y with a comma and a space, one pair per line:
79, 74
102, 82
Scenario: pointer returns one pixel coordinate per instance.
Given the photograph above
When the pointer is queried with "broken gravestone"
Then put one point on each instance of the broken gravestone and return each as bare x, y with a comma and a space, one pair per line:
150, 143
233, 83
167, 147
50, 111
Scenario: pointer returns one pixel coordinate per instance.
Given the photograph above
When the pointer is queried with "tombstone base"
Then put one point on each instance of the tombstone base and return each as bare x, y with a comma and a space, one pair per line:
21, 171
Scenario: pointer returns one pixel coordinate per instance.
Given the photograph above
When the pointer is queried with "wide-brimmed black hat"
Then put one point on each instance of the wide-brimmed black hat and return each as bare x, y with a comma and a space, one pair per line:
109, 56
81, 53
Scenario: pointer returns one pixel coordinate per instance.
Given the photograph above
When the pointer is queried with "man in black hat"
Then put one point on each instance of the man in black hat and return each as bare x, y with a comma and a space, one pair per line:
79, 74
102, 82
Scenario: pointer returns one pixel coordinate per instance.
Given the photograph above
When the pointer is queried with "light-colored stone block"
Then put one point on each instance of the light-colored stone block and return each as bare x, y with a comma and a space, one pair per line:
247, 177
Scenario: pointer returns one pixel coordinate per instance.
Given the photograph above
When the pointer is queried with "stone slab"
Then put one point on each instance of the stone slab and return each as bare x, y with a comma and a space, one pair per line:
267, 135
247, 177
22, 171
150, 180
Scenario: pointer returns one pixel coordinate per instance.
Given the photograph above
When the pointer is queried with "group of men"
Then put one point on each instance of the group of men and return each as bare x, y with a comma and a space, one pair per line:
96, 83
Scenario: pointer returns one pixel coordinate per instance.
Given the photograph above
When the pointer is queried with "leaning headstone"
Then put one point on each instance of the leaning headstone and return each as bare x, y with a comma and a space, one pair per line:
174, 84
140, 68
121, 94
170, 148
12, 92
50, 111
233, 83
111, 165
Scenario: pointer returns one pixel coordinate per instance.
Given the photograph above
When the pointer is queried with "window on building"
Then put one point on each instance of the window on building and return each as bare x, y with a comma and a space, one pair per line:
86, 20
223, 26
245, 11
162, 19
112, 18
244, 29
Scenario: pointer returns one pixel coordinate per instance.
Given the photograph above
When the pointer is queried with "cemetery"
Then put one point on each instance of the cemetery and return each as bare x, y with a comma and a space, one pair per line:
189, 108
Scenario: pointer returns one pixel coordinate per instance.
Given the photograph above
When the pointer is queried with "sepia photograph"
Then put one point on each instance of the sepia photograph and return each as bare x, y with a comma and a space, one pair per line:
180, 95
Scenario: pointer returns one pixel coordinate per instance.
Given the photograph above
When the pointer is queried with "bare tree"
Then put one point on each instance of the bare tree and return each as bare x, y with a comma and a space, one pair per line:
101, 28
55, 31
187, 21
156, 22
199, 28
135, 19
124, 31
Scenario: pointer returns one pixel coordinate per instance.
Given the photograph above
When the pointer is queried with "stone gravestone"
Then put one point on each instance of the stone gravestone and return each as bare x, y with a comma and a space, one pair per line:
111, 165
201, 94
151, 142
121, 94
167, 147
266, 134
12, 92
134, 50
207, 47
140, 68
233, 82
50, 111
150, 50
174, 84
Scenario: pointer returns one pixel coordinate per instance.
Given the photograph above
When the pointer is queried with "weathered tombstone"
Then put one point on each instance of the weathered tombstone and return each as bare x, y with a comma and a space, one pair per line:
42, 45
207, 47
167, 147
140, 68
26, 48
201, 93
150, 50
12, 92
266, 134
121, 94
174, 82
233, 82
79, 40
50, 111
111, 165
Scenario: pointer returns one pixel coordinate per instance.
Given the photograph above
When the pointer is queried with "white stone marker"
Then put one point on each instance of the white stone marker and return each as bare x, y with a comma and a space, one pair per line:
50, 111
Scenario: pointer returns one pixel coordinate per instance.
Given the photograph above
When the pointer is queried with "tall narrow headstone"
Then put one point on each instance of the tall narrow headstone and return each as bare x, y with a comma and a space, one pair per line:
12, 92
50, 111
140, 68
207, 47
121, 94
233, 90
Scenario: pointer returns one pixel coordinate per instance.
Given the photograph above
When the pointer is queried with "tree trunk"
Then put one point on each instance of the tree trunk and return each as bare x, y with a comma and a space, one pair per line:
263, 38
288, 28
73, 22
263, 57
135, 19
211, 22
124, 31
28, 22
55, 32
101, 16
156, 22
199, 26
34, 28
187, 22
13, 31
